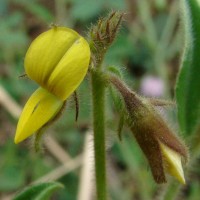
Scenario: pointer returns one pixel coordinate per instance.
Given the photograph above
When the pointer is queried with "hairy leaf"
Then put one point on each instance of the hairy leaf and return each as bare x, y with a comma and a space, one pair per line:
188, 82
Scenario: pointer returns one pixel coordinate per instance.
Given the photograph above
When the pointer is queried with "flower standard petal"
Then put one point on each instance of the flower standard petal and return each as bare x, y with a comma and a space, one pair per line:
41, 107
46, 51
71, 69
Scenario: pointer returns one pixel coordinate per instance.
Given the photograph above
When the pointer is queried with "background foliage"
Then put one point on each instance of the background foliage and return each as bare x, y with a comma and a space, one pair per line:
148, 52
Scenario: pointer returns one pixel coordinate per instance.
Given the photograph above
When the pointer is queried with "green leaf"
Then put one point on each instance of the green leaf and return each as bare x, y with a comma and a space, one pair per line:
188, 82
40, 191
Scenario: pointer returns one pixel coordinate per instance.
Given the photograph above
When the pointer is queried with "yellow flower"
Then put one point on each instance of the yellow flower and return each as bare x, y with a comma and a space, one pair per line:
57, 60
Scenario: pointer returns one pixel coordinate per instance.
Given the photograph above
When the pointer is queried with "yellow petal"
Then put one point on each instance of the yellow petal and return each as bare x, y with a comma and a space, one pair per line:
46, 51
71, 70
172, 162
40, 108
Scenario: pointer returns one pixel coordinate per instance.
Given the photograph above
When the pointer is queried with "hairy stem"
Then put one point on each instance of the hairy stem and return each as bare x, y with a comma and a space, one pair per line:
98, 97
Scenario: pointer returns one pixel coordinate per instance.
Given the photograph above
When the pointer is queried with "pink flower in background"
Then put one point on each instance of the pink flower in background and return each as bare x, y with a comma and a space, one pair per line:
152, 86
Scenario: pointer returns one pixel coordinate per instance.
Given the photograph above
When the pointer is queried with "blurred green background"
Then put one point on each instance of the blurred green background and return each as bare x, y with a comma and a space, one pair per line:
147, 50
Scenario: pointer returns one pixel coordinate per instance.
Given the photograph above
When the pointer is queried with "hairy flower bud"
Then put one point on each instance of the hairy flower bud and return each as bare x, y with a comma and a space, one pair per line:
103, 34
160, 146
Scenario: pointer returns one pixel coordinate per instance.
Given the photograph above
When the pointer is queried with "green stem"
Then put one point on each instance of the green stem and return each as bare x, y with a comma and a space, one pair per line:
98, 97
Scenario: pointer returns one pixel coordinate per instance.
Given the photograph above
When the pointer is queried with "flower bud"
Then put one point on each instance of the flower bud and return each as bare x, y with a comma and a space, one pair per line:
161, 147
103, 34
